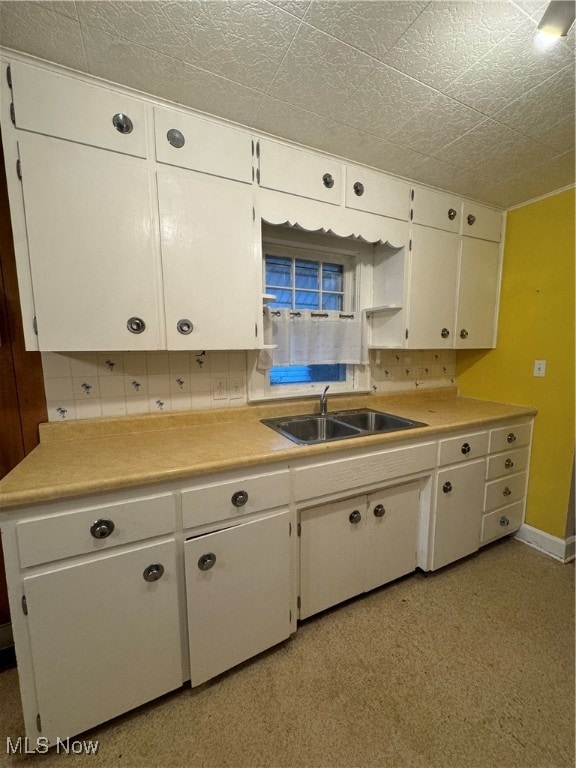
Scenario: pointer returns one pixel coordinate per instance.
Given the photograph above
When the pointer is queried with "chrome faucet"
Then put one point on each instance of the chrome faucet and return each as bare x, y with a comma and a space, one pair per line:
324, 402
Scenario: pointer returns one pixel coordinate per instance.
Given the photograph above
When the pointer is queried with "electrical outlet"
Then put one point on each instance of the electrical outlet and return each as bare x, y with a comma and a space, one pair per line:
540, 368
219, 388
236, 388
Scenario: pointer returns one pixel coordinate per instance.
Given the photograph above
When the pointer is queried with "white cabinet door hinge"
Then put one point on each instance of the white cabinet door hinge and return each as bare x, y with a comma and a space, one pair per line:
12, 113
19, 169
299, 529
35, 325
298, 601
39, 723
9, 75
24, 606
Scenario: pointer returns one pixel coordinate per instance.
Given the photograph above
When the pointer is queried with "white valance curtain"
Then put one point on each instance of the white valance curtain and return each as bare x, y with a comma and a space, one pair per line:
312, 337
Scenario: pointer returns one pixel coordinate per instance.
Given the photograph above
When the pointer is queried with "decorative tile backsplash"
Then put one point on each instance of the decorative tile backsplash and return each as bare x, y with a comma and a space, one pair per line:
90, 385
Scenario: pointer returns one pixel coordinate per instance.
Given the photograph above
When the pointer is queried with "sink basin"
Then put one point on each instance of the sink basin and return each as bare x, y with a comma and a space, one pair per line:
312, 428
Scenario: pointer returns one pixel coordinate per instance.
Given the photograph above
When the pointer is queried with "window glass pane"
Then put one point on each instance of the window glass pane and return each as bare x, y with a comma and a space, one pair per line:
331, 301
283, 298
278, 271
303, 374
332, 277
306, 300
307, 274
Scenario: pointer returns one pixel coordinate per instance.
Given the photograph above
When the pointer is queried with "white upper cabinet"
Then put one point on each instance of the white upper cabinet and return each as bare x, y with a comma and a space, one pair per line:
191, 142
479, 221
211, 287
435, 209
298, 172
377, 193
92, 246
56, 105
477, 294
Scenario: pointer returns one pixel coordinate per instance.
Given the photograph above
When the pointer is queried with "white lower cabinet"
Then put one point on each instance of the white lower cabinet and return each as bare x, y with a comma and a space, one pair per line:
354, 545
238, 588
104, 636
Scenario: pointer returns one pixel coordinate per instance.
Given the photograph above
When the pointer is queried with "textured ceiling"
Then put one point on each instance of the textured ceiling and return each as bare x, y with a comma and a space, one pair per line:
457, 95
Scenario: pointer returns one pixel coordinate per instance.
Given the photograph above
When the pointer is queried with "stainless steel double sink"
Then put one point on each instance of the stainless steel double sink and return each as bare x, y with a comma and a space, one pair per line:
340, 425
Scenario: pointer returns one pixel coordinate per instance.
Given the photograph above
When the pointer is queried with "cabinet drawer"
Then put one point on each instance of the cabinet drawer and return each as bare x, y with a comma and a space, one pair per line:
222, 500
376, 193
344, 474
507, 463
482, 222
508, 437
435, 209
77, 533
56, 105
462, 448
507, 490
502, 521
191, 142
299, 173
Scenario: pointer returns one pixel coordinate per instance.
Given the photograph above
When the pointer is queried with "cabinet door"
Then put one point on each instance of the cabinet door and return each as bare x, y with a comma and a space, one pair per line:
299, 172
92, 246
209, 265
459, 508
202, 145
477, 294
435, 209
103, 639
480, 221
393, 526
332, 543
238, 592
432, 288
377, 193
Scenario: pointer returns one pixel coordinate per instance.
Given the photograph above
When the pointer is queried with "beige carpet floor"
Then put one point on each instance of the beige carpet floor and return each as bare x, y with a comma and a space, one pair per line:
470, 666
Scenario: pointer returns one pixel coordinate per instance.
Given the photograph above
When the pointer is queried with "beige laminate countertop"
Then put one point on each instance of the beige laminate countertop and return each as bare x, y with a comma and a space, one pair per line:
81, 457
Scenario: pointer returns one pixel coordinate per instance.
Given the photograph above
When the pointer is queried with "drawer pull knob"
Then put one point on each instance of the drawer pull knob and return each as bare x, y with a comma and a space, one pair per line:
451, 214
471, 219
175, 138
466, 448
463, 333
444, 333
511, 437
184, 327
153, 572
136, 325
359, 188
328, 180
207, 561
379, 510
101, 529
447, 487
504, 521
508, 463
355, 517
122, 123
239, 498
507, 491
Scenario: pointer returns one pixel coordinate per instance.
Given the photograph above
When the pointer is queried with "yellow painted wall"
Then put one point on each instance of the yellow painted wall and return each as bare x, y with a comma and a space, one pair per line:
536, 323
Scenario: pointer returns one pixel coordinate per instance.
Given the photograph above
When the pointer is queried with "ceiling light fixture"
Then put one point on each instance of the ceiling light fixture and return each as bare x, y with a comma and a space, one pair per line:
558, 18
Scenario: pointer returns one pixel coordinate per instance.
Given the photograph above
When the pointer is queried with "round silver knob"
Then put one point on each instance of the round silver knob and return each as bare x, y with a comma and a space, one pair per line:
451, 214
511, 437
184, 327
175, 138
328, 180
207, 561
122, 123
463, 333
136, 325
153, 572
447, 487
239, 498
504, 521
355, 517
465, 448
471, 219
508, 463
358, 188
507, 492
379, 510
444, 333
102, 528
